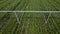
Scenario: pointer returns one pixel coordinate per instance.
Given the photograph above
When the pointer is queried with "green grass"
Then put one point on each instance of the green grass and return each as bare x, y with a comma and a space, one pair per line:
32, 23
42, 5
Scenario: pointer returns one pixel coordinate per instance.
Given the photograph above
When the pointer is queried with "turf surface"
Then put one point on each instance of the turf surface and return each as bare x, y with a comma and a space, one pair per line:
29, 23
42, 5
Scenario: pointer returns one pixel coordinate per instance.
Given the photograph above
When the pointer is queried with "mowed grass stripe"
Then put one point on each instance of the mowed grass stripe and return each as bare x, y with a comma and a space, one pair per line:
54, 4
50, 6
5, 4
2, 14
9, 25
34, 5
30, 5
10, 5
17, 4
56, 26
3, 20
22, 5
26, 6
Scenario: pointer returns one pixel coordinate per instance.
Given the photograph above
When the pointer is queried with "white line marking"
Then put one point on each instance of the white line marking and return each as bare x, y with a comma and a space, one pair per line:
19, 21
17, 18
46, 20
34, 11
21, 17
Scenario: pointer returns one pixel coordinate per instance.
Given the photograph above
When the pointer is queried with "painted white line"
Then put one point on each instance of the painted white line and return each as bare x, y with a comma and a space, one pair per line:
34, 11
46, 20
17, 18
19, 21
21, 17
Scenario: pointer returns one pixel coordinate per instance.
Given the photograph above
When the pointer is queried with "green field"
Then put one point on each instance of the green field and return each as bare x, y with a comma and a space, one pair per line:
42, 5
29, 23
